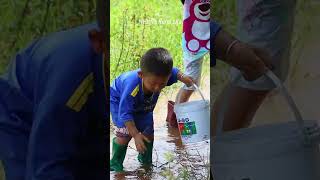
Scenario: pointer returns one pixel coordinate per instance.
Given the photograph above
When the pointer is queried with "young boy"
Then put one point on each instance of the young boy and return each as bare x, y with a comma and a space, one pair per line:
133, 96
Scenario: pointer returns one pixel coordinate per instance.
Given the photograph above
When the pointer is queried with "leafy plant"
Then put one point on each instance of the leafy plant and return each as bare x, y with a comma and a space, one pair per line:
137, 26
26, 20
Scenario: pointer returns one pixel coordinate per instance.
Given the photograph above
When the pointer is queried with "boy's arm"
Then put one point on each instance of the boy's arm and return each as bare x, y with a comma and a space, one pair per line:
132, 128
56, 125
174, 76
126, 107
138, 137
178, 75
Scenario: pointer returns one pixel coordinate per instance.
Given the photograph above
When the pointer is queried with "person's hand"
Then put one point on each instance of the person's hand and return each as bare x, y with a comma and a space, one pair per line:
187, 80
139, 141
251, 61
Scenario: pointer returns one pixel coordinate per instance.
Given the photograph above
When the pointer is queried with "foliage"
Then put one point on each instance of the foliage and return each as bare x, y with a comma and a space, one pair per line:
24, 21
137, 26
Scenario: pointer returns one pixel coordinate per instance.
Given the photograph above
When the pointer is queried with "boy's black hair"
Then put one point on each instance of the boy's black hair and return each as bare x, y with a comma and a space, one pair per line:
157, 61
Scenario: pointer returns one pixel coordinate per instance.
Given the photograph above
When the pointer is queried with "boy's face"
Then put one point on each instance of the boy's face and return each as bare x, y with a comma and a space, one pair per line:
153, 83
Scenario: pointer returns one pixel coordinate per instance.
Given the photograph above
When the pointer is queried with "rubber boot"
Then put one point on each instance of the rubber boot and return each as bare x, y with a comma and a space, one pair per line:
171, 115
118, 154
146, 157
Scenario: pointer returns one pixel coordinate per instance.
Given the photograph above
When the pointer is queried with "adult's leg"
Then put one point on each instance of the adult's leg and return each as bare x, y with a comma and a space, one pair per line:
241, 106
192, 69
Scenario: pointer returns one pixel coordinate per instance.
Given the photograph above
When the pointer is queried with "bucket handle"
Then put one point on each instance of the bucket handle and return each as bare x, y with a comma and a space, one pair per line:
197, 89
283, 91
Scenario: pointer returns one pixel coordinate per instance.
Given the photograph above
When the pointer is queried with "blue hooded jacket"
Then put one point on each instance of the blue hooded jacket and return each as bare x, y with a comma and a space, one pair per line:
53, 108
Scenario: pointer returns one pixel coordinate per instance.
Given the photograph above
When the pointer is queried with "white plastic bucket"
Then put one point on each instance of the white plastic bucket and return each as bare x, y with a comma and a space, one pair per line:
285, 151
193, 119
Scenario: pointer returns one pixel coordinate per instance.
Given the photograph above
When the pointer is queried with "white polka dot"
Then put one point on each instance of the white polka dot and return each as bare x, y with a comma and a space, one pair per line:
193, 45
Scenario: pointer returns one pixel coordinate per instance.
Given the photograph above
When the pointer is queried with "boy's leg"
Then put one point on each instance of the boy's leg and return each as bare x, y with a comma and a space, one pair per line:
192, 69
145, 126
119, 149
120, 142
146, 157
268, 25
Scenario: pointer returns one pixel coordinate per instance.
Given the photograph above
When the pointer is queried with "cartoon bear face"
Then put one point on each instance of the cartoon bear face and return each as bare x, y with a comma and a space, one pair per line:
202, 10
196, 25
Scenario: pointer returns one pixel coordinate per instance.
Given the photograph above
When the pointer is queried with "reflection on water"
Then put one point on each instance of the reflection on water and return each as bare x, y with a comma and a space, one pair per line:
189, 161
168, 153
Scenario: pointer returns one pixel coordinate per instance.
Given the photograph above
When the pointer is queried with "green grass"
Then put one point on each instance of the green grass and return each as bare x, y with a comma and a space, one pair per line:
20, 25
1, 172
137, 26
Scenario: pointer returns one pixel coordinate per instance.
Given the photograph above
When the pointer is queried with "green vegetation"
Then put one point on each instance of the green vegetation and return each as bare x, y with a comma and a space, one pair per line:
137, 26
26, 20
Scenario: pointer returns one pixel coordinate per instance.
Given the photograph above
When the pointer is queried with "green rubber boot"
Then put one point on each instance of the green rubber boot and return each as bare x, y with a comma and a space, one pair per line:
146, 158
118, 154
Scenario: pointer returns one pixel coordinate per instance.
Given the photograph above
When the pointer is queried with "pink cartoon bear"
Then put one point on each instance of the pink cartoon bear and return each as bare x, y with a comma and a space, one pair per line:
196, 25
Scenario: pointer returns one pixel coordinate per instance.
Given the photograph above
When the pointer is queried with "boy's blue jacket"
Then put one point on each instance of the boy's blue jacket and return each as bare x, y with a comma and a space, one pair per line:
53, 108
128, 102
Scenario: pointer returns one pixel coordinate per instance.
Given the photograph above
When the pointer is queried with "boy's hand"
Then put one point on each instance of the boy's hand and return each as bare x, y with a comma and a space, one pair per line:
138, 137
139, 141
